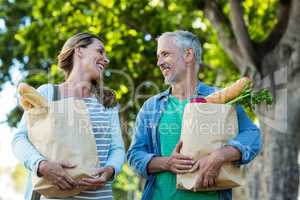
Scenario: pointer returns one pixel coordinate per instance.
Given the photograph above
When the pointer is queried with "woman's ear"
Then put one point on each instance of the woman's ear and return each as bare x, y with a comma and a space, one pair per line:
189, 55
78, 52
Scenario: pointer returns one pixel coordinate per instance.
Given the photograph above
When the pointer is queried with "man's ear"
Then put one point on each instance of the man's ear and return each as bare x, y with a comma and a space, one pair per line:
189, 55
78, 52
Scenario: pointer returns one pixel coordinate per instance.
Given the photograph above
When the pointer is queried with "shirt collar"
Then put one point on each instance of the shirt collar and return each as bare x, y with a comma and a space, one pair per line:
201, 91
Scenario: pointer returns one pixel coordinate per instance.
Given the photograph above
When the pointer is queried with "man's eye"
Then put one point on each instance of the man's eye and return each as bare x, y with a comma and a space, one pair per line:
165, 54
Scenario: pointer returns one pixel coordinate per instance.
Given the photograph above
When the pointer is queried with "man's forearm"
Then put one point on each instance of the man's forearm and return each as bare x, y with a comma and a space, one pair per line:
158, 164
227, 154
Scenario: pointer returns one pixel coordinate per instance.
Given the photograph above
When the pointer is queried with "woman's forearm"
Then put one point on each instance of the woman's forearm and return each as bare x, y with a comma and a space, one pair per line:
26, 152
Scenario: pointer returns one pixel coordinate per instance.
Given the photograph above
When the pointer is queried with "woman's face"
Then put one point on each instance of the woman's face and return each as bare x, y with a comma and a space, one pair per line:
93, 59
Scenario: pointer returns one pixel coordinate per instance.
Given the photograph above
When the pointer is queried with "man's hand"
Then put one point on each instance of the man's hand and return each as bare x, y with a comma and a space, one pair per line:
208, 169
56, 174
102, 175
178, 163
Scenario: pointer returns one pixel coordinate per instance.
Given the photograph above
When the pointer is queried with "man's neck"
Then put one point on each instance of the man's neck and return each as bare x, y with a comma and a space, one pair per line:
185, 88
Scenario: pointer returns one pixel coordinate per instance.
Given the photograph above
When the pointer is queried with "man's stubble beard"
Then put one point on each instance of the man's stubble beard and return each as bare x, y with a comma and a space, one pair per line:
170, 81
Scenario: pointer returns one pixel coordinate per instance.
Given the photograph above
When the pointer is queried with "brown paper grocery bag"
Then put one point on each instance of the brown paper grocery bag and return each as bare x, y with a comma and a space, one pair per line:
205, 128
62, 132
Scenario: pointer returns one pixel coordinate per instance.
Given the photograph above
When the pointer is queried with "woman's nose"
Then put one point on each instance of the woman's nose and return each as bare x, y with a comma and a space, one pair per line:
106, 61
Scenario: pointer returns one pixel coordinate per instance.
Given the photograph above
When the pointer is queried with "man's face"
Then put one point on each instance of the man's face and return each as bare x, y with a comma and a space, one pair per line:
170, 59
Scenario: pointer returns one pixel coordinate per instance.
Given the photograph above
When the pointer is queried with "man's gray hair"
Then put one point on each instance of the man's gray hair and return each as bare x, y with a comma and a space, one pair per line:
185, 40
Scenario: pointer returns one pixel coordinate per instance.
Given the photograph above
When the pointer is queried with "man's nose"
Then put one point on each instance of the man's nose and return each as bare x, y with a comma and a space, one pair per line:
159, 62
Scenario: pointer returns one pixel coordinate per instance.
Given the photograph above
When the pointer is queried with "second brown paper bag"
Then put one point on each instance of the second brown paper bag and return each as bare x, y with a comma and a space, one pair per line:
205, 128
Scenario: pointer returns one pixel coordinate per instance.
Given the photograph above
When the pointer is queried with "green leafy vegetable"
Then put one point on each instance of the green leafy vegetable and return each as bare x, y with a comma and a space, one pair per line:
249, 98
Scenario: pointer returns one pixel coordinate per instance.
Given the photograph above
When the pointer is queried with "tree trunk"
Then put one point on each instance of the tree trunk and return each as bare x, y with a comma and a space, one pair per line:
124, 129
275, 173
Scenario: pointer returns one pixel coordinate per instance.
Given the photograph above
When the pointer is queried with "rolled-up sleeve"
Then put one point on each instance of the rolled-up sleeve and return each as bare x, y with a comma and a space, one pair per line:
139, 154
116, 154
247, 140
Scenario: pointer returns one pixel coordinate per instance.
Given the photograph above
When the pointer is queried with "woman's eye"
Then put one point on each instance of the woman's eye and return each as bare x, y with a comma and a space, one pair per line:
100, 51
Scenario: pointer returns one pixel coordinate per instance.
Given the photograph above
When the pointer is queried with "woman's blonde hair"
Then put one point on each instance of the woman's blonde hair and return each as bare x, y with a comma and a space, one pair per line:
65, 61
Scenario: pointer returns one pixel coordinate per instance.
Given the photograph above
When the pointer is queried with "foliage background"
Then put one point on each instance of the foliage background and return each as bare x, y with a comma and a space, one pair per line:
33, 31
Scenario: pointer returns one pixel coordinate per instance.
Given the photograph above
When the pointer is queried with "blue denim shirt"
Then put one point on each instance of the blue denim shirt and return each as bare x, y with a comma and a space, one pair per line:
145, 144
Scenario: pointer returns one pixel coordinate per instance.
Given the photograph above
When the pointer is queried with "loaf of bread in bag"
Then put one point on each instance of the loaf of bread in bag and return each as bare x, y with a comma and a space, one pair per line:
30, 97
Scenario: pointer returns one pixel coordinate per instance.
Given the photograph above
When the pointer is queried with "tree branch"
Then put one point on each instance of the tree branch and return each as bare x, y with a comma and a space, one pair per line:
279, 29
241, 34
222, 26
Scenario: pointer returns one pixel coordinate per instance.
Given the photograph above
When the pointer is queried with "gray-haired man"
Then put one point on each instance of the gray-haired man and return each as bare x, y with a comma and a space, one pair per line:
155, 150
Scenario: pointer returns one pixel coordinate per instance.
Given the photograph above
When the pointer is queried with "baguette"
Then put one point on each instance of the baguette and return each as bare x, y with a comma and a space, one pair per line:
31, 97
25, 104
228, 93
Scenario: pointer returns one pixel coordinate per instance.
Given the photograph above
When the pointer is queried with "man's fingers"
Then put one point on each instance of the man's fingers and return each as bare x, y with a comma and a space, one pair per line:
181, 171
211, 182
183, 157
195, 167
183, 167
199, 181
183, 162
205, 182
178, 146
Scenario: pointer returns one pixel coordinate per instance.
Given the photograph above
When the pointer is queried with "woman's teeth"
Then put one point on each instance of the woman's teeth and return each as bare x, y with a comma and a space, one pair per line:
99, 66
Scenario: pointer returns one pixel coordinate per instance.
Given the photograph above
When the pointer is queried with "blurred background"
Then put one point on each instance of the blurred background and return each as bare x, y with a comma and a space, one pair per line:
257, 38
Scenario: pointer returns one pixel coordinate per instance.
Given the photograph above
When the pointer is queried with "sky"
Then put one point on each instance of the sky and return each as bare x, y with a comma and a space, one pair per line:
8, 161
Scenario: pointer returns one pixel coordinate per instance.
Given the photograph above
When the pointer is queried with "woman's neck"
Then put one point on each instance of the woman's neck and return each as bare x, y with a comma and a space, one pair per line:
76, 85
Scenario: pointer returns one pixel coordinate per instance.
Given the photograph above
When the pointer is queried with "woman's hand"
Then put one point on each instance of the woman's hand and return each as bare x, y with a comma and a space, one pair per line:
55, 172
102, 175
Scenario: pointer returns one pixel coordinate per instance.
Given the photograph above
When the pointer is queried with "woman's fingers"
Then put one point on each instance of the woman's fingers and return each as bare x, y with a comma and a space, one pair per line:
99, 171
70, 180
84, 183
98, 182
63, 184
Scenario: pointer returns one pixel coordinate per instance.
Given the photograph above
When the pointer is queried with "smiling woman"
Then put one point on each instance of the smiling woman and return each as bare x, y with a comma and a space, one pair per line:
83, 61
90, 53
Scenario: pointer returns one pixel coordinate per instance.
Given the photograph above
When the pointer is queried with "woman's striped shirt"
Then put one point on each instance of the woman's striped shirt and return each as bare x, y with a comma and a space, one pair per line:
101, 125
